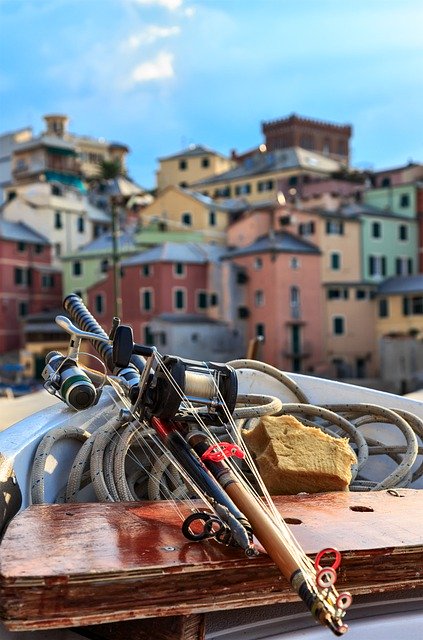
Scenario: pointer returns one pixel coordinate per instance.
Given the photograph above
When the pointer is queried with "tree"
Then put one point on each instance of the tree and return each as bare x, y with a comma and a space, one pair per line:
110, 169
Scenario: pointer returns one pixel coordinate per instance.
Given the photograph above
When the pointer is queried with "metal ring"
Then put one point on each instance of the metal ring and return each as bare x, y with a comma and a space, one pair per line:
200, 516
344, 600
326, 577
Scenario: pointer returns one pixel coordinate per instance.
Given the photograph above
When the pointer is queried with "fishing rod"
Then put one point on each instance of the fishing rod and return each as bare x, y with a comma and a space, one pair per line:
185, 403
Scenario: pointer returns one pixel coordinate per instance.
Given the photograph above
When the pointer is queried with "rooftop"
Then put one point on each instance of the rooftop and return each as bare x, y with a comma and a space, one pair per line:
193, 151
274, 161
401, 284
187, 253
20, 232
282, 242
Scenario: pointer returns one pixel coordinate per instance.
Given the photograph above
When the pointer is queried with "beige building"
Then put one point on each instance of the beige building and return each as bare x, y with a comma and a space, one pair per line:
177, 209
56, 155
259, 176
189, 166
62, 215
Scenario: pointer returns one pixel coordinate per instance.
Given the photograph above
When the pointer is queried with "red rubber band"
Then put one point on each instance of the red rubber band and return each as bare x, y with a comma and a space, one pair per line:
326, 552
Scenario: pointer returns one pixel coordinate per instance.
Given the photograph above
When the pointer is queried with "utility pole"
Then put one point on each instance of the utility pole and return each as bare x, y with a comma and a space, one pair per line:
117, 284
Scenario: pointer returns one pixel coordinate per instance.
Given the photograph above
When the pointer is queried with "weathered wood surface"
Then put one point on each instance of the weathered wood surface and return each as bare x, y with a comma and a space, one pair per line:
85, 564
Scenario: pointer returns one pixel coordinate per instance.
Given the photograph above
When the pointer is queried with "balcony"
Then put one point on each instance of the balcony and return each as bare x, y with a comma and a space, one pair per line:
303, 350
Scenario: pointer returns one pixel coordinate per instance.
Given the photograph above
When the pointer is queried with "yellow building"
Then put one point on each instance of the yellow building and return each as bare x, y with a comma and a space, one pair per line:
400, 306
264, 174
190, 165
177, 209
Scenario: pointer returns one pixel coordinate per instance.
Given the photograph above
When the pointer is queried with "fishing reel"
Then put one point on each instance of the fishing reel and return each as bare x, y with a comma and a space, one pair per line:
173, 387
65, 379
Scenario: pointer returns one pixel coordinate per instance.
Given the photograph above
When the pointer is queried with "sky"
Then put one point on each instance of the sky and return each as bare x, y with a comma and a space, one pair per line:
159, 75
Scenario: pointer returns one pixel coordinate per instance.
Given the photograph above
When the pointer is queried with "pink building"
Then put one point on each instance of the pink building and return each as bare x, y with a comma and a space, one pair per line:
283, 300
28, 283
170, 278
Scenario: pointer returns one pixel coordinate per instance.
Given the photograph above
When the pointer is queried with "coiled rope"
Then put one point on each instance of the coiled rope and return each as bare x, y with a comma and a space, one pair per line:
124, 460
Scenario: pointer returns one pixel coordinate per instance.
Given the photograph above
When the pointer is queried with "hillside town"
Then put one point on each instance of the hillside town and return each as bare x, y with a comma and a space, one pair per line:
285, 248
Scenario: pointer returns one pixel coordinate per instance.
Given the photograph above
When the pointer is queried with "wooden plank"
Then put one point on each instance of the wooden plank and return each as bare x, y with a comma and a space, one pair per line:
83, 564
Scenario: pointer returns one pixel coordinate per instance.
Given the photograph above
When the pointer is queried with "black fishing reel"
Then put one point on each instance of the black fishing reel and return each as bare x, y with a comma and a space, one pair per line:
173, 387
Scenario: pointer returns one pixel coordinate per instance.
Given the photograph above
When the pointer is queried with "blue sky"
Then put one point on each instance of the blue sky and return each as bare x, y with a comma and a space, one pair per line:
159, 75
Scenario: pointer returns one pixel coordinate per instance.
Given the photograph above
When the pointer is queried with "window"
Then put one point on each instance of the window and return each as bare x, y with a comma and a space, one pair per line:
21, 276
403, 232
104, 266
259, 298
146, 270
186, 219
334, 228
416, 305
148, 335
179, 270
243, 189
183, 164
77, 268
260, 330
146, 299
335, 260
58, 220
265, 185
326, 146
294, 263
412, 306
212, 218
58, 249
214, 299
179, 299
376, 230
223, 192
360, 294
294, 301
403, 266
337, 294
404, 200
47, 281
306, 228
201, 300
377, 266
23, 308
99, 305
385, 182
338, 324
81, 224
258, 263
243, 313
21, 246
383, 308
39, 248
205, 162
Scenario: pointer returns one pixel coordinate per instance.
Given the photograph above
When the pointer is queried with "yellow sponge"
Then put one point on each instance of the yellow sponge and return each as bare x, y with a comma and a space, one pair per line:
293, 458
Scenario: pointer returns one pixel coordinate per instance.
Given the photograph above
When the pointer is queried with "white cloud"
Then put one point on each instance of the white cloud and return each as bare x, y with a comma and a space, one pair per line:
150, 35
158, 69
172, 5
